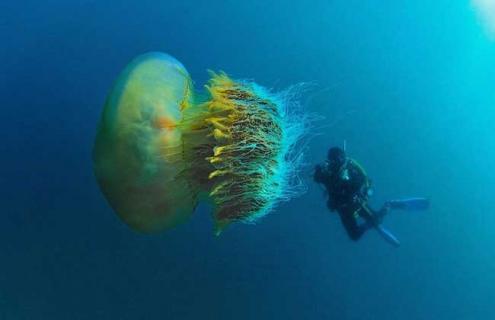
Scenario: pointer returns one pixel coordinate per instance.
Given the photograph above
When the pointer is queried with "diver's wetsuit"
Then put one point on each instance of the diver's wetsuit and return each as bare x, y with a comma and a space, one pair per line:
348, 188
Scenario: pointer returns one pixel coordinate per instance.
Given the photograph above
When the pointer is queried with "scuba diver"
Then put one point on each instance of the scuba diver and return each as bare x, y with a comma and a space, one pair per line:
349, 188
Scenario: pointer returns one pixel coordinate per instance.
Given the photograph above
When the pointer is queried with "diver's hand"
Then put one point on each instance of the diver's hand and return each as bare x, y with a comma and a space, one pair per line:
318, 175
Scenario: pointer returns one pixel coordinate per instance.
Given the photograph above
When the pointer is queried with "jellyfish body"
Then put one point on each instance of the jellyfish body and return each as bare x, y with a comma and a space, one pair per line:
158, 151
137, 151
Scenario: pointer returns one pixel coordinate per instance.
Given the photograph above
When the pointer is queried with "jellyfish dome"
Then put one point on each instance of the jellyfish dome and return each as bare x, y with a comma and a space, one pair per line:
160, 149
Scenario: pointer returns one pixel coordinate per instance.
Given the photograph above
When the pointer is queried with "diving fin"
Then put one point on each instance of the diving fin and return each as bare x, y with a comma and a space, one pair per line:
410, 204
387, 235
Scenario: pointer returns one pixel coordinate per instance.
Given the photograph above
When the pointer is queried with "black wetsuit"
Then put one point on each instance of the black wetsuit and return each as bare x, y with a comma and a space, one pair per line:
348, 188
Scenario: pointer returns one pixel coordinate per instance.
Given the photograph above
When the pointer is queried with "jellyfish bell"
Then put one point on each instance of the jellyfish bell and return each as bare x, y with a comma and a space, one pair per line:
137, 153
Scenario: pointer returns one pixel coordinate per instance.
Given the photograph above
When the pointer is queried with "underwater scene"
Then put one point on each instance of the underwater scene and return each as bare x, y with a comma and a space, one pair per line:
247, 160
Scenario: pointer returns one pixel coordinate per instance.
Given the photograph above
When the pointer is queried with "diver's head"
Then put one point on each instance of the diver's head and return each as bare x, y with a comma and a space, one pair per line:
336, 157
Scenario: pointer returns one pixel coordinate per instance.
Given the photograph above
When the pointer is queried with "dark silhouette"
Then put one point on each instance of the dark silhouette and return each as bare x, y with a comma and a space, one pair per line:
349, 188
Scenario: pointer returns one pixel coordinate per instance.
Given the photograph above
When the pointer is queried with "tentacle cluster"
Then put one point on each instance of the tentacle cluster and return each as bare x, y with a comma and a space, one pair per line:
248, 133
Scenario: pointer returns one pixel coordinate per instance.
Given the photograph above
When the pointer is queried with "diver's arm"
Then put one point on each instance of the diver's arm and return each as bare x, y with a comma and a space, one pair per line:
319, 174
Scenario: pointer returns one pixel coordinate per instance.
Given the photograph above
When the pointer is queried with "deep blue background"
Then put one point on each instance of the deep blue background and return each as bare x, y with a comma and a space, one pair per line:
408, 84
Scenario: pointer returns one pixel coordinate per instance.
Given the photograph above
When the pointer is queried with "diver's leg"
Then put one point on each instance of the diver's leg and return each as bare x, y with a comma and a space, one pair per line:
372, 217
380, 214
353, 229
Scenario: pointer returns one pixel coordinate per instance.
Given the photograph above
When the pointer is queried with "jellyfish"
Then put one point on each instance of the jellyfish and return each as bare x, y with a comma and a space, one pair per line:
161, 148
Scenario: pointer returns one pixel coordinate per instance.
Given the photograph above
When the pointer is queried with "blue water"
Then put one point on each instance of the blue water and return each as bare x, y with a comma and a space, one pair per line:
408, 84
